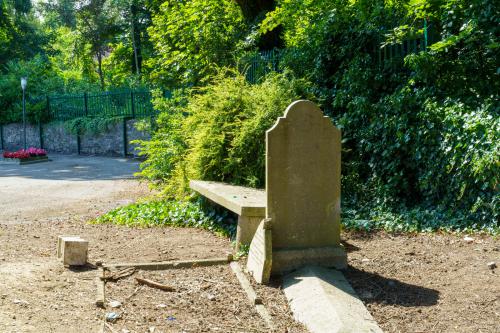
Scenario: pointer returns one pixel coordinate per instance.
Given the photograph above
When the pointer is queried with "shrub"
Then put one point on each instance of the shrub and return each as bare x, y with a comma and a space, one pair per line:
169, 213
218, 132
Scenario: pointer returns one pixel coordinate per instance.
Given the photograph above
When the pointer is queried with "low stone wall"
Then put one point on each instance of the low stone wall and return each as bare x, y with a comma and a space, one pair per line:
55, 139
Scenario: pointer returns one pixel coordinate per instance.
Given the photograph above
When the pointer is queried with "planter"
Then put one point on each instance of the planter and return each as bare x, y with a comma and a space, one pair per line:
33, 159
23, 161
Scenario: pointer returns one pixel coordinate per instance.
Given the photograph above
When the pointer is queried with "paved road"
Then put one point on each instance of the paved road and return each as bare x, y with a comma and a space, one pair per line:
55, 188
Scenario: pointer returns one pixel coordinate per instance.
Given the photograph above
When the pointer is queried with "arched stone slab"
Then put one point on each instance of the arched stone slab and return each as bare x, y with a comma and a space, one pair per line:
303, 188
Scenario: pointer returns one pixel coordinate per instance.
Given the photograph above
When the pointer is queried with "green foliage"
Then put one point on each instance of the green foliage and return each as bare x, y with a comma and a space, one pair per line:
404, 219
219, 132
420, 134
40, 79
161, 213
192, 39
85, 125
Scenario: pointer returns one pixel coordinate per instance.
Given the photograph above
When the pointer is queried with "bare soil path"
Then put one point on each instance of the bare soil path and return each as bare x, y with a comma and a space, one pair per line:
37, 294
421, 283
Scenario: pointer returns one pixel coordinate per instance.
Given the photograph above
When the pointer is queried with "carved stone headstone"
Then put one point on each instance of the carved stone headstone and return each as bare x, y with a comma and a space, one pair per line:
260, 256
303, 189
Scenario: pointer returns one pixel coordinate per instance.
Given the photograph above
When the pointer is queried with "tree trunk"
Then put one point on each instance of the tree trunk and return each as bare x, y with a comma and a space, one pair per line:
99, 69
255, 10
136, 40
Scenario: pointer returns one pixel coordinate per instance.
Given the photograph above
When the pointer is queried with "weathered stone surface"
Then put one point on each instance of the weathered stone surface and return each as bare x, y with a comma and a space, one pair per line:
260, 256
60, 244
247, 203
13, 136
247, 225
303, 187
238, 199
324, 302
74, 251
56, 139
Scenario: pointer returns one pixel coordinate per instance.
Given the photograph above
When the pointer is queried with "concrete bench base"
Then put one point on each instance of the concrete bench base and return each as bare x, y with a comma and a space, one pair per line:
286, 260
325, 302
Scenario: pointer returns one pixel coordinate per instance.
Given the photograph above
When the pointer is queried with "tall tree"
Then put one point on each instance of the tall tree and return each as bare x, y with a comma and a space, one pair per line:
135, 18
97, 26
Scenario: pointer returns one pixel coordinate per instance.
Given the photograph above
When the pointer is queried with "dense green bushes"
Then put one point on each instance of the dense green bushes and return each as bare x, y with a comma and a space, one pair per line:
218, 133
420, 134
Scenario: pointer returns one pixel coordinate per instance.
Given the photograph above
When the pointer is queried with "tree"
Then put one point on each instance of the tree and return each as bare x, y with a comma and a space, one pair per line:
192, 38
97, 26
21, 35
135, 18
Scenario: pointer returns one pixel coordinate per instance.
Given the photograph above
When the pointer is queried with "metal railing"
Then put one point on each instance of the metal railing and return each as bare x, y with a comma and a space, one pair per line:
126, 104
261, 64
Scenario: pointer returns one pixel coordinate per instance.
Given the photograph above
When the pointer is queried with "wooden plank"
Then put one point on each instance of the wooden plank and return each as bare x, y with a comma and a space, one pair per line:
252, 296
155, 266
243, 201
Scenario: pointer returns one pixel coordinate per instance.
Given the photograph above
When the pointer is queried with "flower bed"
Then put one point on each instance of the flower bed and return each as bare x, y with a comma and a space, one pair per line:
30, 155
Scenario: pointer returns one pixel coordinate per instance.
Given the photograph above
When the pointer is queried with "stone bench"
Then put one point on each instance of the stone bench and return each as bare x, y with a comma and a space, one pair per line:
248, 203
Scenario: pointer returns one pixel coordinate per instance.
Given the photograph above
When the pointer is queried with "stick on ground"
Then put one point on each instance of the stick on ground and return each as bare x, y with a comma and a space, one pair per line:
154, 284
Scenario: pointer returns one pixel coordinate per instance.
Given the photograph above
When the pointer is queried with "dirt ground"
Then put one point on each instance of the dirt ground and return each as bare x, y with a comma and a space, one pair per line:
37, 294
410, 283
427, 282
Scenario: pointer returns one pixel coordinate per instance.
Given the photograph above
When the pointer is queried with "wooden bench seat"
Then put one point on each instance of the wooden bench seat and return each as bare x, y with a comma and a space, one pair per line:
248, 203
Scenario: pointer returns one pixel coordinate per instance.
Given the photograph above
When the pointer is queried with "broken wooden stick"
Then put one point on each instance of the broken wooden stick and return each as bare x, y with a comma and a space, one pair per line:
123, 273
154, 284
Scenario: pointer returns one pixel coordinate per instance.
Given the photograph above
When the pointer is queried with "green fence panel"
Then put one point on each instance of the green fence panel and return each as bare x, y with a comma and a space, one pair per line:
124, 104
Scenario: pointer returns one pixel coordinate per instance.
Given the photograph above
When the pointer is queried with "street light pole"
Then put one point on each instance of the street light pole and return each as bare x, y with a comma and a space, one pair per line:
24, 81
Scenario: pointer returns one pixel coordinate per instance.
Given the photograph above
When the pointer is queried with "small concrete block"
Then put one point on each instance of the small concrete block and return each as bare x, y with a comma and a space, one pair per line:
325, 302
260, 256
60, 241
74, 252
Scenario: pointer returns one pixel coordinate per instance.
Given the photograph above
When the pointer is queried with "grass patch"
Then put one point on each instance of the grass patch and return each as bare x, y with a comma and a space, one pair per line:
159, 213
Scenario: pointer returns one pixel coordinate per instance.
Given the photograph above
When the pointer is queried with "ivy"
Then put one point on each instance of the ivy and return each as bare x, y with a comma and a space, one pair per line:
93, 126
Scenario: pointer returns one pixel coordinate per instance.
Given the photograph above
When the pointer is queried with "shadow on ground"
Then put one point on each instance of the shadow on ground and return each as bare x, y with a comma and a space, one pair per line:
73, 167
374, 288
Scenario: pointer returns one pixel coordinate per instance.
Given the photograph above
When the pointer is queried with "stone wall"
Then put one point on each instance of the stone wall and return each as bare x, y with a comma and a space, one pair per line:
14, 138
55, 139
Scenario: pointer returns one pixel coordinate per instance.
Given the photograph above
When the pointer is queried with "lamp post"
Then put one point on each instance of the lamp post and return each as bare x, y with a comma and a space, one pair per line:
24, 82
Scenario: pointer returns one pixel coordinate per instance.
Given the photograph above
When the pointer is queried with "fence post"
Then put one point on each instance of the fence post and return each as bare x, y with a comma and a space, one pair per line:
40, 132
78, 144
86, 104
425, 35
1, 136
132, 103
125, 139
48, 107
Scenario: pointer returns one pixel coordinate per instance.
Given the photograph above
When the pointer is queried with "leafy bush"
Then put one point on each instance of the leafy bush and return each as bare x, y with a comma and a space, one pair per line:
218, 132
421, 133
193, 38
169, 213
85, 125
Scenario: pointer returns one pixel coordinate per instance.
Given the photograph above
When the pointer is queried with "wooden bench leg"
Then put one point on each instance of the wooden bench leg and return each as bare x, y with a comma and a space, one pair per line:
247, 225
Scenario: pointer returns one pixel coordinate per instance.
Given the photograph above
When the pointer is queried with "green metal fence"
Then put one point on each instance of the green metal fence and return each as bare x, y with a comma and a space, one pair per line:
408, 46
261, 64
126, 104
